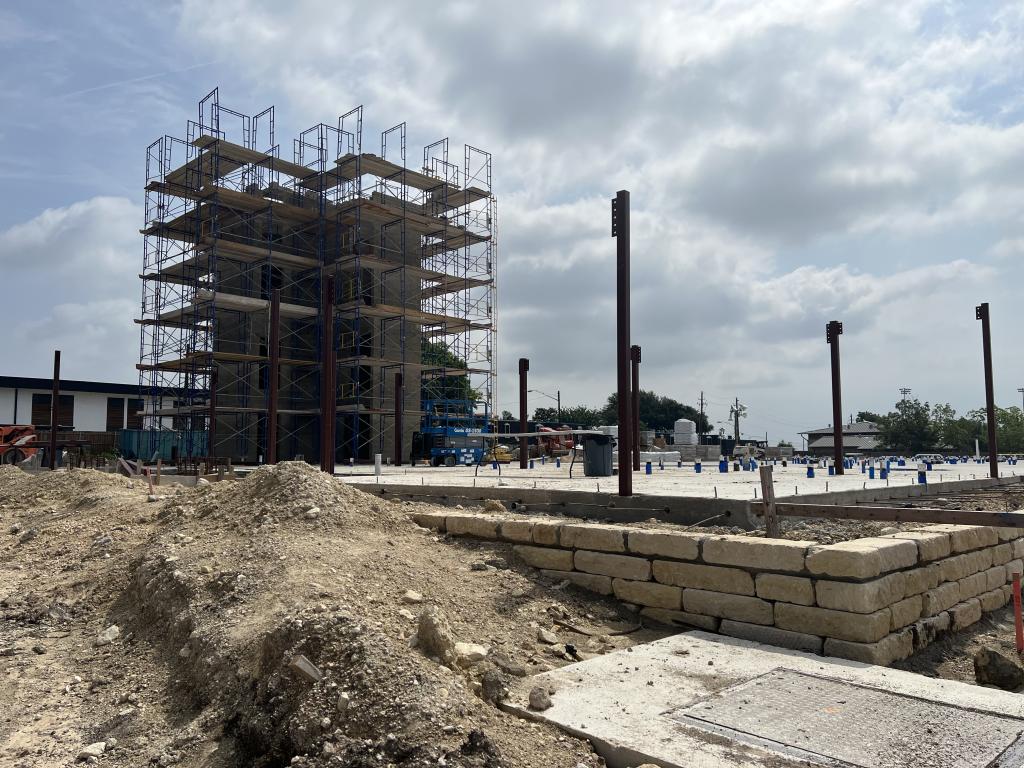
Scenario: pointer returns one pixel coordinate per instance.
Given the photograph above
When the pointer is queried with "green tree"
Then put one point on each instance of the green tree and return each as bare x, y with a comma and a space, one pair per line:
874, 418
908, 429
451, 387
577, 414
656, 412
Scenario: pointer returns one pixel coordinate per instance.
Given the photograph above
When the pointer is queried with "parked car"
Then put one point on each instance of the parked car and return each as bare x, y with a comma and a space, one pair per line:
929, 458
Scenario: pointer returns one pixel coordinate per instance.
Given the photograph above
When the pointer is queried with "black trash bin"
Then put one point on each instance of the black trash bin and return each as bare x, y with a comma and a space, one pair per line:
597, 455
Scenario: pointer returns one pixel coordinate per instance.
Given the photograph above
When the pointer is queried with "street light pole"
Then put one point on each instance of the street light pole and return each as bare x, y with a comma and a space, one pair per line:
1021, 390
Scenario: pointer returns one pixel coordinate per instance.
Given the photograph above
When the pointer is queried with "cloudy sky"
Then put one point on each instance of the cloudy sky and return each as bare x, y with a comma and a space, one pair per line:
789, 163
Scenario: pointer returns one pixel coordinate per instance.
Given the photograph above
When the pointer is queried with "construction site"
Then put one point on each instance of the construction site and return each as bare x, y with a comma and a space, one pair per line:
318, 547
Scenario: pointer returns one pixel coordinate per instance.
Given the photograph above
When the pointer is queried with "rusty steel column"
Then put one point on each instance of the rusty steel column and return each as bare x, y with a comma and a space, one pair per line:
634, 360
328, 410
54, 408
399, 405
211, 432
274, 342
524, 442
620, 231
833, 330
981, 313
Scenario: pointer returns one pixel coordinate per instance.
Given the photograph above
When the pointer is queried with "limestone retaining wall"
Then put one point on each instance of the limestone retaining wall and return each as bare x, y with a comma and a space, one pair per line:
875, 599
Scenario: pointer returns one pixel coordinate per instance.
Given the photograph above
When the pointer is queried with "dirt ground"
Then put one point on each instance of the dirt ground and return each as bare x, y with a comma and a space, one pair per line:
951, 656
220, 593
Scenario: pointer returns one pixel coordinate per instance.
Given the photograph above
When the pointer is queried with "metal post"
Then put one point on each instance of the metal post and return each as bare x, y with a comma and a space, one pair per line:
211, 433
558, 399
634, 369
981, 313
327, 391
833, 330
524, 367
620, 231
274, 341
54, 408
399, 403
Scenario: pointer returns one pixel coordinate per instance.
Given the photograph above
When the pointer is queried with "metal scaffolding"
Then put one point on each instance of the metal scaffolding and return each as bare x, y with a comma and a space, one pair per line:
379, 270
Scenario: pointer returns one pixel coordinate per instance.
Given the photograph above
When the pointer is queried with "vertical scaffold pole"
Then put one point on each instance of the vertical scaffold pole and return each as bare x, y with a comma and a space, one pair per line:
634, 360
399, 403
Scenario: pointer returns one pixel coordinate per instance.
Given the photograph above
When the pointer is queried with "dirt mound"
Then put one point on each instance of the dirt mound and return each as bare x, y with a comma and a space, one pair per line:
291, 489
74, 488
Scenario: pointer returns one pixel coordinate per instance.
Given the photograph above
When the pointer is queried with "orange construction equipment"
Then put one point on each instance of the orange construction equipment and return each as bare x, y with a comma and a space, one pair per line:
556, 443
17, 443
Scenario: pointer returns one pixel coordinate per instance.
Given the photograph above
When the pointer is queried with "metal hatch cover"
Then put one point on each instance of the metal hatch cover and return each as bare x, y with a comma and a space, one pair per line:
831, 723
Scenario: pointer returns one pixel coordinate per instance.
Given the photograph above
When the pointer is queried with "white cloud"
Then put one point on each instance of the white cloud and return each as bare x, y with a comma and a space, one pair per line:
76, 275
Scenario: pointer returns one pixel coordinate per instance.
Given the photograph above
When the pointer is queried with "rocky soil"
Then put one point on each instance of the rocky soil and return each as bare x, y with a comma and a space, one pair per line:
285, 619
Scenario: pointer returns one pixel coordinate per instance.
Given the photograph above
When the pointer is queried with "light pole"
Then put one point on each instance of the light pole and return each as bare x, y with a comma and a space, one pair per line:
557, 398
1021, 390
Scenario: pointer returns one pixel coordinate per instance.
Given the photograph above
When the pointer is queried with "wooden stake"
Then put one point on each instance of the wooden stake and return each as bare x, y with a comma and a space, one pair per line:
771, 519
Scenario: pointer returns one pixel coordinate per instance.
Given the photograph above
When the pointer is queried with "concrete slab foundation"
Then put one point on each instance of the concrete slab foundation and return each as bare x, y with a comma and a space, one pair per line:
704, 701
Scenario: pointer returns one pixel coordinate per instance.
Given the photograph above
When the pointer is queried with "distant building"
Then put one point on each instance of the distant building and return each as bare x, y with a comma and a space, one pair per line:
859, 437
84, 406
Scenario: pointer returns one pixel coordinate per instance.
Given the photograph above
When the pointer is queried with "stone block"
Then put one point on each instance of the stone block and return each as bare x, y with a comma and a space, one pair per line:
544, 557
478, 526
681, 619
931, 545
546, 534
995, 577
955, 568
1018, 549
906, 612
964, 614
1008, 591
678, 546
858, 627
973, 585
648, 593
432, 520
711, 577
992, 600
893, 647
756, 553
981, 559
723, 605
940, 599
860, 597
926, 630
1009, 534
788, 589
599, 538
782, 638
862, 558
1012, 567
618, 566
918, 580
964, 538
1002, 554
518, 531
602, 585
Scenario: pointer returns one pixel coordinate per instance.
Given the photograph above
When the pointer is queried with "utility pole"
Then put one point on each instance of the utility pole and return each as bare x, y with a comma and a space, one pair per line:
905, 391
558, 392
700, 426
620, 231
833, 330
737, 410
1021, 390
981, 313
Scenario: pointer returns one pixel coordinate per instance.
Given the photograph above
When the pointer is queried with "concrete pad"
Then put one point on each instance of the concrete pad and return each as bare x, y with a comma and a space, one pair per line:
707, 701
